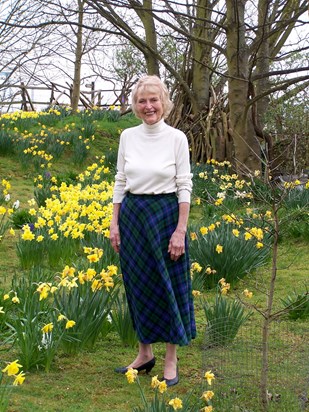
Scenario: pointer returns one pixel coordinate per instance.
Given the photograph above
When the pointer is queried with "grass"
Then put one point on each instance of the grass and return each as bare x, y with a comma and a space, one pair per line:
86, 381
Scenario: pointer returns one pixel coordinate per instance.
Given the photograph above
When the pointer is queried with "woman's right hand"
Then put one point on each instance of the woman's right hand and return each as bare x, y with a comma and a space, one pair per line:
114, 236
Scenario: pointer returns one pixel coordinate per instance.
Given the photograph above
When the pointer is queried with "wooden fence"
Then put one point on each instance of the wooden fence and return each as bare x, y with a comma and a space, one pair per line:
88, 98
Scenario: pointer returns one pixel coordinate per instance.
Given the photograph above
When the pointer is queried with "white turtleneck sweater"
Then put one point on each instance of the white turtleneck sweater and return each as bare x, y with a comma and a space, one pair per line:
153, 159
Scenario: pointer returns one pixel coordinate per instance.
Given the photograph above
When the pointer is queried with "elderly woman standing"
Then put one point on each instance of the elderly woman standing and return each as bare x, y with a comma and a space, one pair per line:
151, 207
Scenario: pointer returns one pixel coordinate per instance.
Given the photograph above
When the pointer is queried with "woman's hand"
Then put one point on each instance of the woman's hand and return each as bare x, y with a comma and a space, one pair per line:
176, 246
114, 236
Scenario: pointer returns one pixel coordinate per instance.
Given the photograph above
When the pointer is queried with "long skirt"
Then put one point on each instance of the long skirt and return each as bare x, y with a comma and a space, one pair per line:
158, 289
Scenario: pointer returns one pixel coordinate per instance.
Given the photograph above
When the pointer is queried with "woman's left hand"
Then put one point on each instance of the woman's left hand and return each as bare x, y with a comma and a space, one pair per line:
176, 246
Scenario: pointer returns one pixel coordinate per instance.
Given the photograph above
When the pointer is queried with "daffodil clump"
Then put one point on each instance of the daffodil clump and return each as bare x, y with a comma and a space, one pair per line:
72, 215
67, 313
161, 403
230, 248
45, 143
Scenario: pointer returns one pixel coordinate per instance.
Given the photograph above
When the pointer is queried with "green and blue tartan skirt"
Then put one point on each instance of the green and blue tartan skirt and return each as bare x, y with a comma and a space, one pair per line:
158, 289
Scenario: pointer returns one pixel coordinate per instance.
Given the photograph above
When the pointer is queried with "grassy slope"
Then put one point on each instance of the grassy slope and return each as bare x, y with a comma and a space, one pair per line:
86, 382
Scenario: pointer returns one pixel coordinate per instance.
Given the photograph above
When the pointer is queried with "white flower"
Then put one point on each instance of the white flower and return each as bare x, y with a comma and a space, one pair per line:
16, 204
7, 197
240, 195
221, 195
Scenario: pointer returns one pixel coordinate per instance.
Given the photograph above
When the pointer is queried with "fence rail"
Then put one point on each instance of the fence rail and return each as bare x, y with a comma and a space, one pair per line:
58, 93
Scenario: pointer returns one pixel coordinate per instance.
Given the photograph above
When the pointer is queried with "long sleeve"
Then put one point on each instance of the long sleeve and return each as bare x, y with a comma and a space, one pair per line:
120, 178
183, 172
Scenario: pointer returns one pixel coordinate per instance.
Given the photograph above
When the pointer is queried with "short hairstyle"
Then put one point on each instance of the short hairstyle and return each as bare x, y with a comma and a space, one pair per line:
152, 84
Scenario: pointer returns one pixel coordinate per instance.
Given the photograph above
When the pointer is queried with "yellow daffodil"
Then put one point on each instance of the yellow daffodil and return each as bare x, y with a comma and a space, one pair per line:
176, 403
15, 299
12, 368
70, 324
219, 249
209, 376
162, 387
131, 375
204, 230
196, 267
193, 236
207, 395
47, 328
207, 409
196, 293
155, 382
19, 379
247, 293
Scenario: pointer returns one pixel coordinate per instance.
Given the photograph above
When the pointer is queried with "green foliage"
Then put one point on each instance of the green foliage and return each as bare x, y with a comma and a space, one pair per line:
121, 321
21, 217
224, 319
90, 309
297, 199
297, 305
6, 143
30, 253
80, 151
238, 258
27, 319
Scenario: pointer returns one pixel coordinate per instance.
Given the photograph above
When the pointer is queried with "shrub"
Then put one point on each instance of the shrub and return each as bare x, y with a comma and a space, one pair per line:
224, 318
238, 256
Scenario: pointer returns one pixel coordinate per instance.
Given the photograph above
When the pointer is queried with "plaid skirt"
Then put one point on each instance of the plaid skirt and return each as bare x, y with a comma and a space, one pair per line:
158, 289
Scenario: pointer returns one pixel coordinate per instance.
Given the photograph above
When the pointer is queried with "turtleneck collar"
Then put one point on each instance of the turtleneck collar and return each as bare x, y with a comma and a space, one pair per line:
154, 128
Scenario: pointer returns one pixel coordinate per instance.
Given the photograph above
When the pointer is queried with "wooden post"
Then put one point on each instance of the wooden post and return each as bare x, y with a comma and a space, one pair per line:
23, 96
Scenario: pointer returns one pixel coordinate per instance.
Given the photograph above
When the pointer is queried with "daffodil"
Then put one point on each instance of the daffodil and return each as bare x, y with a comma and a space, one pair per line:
209, 376
70, 324
207, 395
162, 387
131, 375
47, 328
219, 248
19, 379
176, 403
12, 368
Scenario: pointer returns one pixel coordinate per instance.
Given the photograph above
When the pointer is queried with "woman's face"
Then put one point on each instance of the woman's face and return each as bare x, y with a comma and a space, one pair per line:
149, 107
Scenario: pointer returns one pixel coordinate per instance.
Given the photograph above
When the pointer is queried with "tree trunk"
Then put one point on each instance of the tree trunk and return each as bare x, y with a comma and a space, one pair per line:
150, 37
78, 57
246, 146
201, 57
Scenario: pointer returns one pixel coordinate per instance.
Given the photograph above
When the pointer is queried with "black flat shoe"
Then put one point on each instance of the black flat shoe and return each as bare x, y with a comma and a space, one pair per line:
172, 382
146, 366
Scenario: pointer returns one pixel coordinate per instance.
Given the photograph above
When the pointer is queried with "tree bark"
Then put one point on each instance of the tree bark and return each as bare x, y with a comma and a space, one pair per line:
78, 58
246, 146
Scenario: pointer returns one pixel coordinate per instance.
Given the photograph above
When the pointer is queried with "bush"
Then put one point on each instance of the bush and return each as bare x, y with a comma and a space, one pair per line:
224, 318
237, 259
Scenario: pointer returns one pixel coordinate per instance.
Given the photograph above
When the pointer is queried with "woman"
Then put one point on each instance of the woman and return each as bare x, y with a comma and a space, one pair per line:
151, 207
